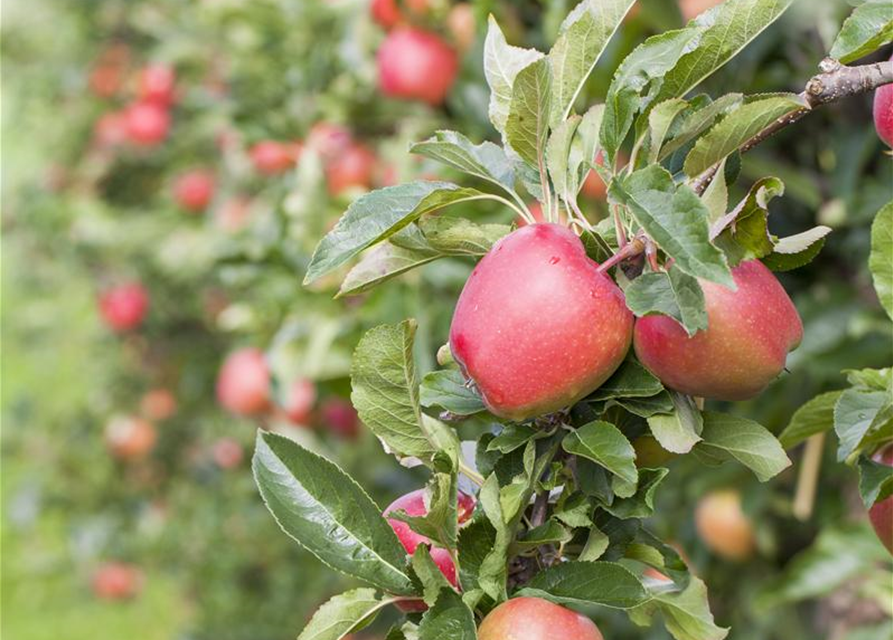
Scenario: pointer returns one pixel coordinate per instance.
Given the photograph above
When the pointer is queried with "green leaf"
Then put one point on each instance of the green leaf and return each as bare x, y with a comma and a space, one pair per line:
670, 293
584, 146
493, 573
514, 436
596, 545
583, 37
575, 510
502, 63
870, 379
680, 430
646, 407
743, 234
631, 380
386, 395
486, 161
476, 540
460, 237
550, 532
861, 418
659, 121
439, 523
746, 441
695, 122
328, 513
429, 574
675, 218
380, 264
716, 195
880, 262
641, 503
558, 151
797, 250
350, 611
867, 29
527, 126
378, 215
448, 618
875, 481
586, 583
686, 613
448, 389
604, 444
814, 417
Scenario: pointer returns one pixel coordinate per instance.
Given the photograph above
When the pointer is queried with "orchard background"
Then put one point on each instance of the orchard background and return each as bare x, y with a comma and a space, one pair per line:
169, 168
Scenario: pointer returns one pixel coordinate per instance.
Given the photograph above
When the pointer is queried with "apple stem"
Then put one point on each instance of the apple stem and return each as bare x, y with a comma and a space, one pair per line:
633, 248
807, 480
471, 474
651, 254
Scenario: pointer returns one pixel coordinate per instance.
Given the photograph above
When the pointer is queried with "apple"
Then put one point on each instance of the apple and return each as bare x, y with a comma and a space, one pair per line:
124, 306
750, 332
329, 140
416, 65
194, 190
227, 453
537, 327
461, 23
156, 84
536, 619
338, 416
243, 383
387, 12
147, 123
129, 437
881, 513
117, 581
106, 77
723, 526
110, 130
693, 8
299, 401
352, 169
413, 504
158, 404
271, 158
883, 113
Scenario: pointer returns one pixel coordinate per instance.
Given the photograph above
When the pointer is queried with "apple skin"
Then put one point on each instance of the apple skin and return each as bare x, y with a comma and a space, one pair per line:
744, 348
353, 168
416, 65
537, 327
691, 9
881, 513
536, 619
338, 416
724, 527
124, 307
156, 84
117, 581
158, 404
194, 190
272, 158
130, 438
299, 401
883, 113
243, 384
462, 25
147, 123
413, 504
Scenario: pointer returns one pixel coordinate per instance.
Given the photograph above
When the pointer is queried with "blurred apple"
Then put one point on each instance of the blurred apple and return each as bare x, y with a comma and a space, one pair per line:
158, 404
117, 581
130, 437
124, 307
227, 453
194, 190
243, 383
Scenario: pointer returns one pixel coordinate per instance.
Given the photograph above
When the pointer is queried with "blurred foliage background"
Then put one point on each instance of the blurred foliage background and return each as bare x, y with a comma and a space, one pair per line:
84, 210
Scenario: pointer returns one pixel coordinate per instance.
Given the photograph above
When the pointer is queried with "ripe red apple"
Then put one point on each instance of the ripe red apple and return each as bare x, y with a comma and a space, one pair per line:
158, 404
750, 332
881, 513
156, 84
147, 123
883, 113
388, 15
416, 65
461, 23
194, 190
353, 168
243, 384
338, 416
117, 581
413, 504
299, 400
537, 327
124, 306
536, 619
329, 140
271, 158
227, 453
723, 526
129, 437
693, 8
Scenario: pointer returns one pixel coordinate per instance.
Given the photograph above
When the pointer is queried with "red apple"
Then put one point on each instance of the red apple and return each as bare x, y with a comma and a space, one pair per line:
107, 75
147, 123
881, 513
416, 65
750, 332
156, 84
693, 8
536, 619
329, 140
194, 190
413, 504
387, 12
537, 327
117, 581
110, 129
461, 23
129, 437
723, 526
158, 404
299, 401
883, 113
227, 453
243, 384
124, 307
338, 416
352, 169
272, 158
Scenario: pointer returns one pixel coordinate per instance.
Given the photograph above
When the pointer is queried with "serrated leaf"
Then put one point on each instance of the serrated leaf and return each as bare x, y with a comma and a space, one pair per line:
502, 63
550, 532
378, 215
461, 237
486, 161
867, 29
596, 545
492, 573
448, 618
328, 513
349, 611
716, 195
735, 129
380, 264
641, 503
585, 145
814, 417
680, 430
860, 418
686, 613
439, 523
513, 436
743, 234
448, 389
631, 380
746, 441
675, 218
697, 121
671, 293
880, 262
797, 250
645, 407
875, 481
558, 150
429, 574
604, 444
476, 540
527, 125
659, 121
870, 379
586, 583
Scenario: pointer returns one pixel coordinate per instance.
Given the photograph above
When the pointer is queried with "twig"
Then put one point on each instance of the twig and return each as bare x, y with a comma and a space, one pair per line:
804, 499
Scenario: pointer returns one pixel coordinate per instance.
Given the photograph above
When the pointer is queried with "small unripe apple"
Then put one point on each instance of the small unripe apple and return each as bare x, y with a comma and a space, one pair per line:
124, 307
881, 513
693, 8
536, 619
883, 113
416, 65
227, 453
387, 12
352, 169
462, 25
299, 401
338, 416
117, 581
723, 526
156, 84
194, 190
329, 140
158, 404
243, 384
147, 123
750, 332
537, 327
129, 437
413, 504
272, 158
